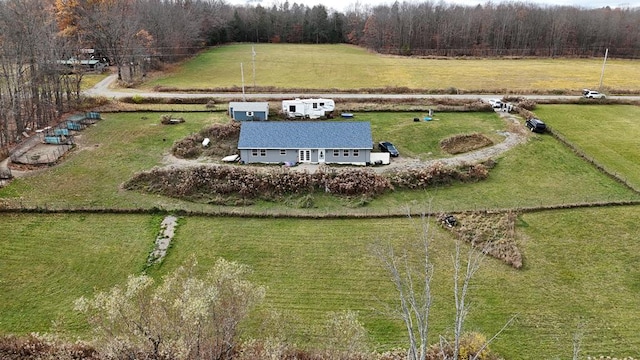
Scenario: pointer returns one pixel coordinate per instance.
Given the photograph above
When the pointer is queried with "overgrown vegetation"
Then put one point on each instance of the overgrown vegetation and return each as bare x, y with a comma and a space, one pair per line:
493, 233
220, 184
185, 317
223, 141
464, 143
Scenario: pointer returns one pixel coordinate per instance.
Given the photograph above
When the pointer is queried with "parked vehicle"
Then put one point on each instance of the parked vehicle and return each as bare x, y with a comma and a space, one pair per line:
495, 103
388, 147
591, 94
536, 125
308, 108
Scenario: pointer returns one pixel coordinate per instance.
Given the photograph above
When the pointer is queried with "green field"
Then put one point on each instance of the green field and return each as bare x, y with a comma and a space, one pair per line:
347, 67
608, 134
50, 260
311, 267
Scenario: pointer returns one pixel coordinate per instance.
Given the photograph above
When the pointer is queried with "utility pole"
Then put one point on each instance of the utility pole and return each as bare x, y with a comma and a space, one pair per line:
606, 53
242, 75
253, 59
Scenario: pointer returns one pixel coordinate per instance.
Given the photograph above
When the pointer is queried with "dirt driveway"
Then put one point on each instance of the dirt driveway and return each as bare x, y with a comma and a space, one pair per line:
517, 134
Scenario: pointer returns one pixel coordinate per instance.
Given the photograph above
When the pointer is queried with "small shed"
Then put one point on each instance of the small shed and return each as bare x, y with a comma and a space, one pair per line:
249, 111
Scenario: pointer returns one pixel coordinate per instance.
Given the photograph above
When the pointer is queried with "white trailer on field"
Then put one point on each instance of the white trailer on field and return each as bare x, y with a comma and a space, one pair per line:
308, 108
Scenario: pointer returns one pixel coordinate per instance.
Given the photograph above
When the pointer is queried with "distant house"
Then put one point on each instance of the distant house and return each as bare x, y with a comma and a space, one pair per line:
308, 108
85, 65
249, 111
337, 142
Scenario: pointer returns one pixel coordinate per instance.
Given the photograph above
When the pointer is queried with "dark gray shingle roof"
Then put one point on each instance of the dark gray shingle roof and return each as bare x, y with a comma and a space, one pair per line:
305, 135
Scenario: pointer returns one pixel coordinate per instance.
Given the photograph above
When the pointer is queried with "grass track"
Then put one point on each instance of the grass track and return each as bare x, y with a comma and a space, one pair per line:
348, 67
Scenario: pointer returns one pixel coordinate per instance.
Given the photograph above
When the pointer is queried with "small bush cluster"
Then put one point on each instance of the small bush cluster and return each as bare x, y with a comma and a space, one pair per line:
492, 233
437, 174
38, 347
464, 143
224, 140
354, 183
527, 104
167, 119
471, 347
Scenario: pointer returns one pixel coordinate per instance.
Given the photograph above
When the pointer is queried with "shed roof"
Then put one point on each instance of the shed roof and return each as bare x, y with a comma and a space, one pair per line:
249, 106
306, 135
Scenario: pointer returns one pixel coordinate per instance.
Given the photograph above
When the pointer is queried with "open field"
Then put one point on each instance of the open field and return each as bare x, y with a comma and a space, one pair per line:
50, 260
311, 267
608, 134
347, 67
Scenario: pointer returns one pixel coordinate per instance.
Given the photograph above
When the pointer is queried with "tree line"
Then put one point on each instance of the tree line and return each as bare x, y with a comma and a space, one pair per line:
137, 35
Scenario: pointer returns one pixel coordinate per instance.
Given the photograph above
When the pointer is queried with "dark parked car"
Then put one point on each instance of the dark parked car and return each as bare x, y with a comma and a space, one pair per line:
388, 147
536, 125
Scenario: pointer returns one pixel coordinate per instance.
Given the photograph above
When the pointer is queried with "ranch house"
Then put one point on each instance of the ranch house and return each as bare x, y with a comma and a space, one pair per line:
249, 111
337, 142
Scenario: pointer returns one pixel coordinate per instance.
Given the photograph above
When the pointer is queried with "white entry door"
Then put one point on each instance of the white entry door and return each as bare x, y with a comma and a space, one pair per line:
304, 156
321, 155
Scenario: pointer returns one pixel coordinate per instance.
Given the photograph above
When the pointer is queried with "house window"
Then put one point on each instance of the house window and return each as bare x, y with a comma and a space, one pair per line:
283, 152
356, 153
254, 152
249, 113
263, 152
345, 153
336, 153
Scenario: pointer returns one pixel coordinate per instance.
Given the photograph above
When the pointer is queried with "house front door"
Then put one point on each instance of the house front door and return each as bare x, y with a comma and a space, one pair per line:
304, 156
321, 155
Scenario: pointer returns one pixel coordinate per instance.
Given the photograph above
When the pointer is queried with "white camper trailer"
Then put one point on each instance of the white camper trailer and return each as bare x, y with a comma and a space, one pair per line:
308, 108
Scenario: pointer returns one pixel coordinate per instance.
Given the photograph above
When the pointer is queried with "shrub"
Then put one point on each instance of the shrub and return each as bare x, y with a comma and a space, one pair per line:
209, 183
224, 139
137, 99
492, 233
464, 143
39, 347
185, 317
470, 347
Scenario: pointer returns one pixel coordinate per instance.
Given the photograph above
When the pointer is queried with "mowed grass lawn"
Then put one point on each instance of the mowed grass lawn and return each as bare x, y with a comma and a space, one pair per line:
608, 134
540, 172
349, 67
579, 273
50, 260
108, 154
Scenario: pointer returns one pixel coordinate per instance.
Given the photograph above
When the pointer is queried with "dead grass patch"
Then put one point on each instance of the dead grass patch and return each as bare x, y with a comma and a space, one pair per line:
459, 144
493, 233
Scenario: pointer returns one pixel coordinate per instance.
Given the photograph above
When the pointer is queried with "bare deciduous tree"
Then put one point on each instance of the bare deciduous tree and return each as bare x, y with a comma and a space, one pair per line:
414, 290
415, 300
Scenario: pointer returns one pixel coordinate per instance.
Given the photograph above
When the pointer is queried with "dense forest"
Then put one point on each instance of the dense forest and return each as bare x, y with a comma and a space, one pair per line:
136, 35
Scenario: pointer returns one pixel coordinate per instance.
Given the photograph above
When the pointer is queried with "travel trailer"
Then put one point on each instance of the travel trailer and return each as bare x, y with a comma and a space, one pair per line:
308, 108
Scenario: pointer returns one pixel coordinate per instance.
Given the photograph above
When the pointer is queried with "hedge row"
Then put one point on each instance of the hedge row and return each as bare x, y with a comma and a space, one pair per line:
205, 182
